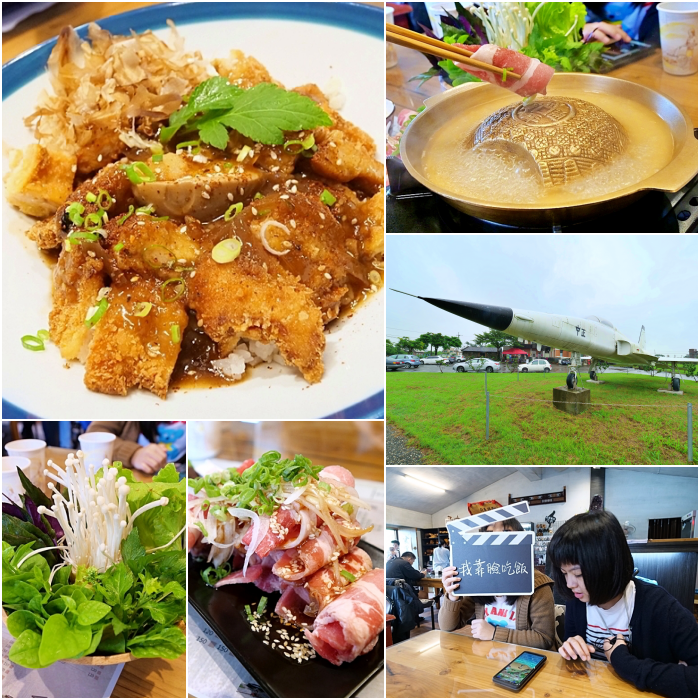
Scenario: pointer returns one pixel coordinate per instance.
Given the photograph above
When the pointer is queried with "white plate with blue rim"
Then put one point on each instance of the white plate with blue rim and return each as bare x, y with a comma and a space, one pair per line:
323, 43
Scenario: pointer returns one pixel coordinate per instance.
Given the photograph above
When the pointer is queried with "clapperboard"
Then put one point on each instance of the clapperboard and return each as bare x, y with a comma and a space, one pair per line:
492, 563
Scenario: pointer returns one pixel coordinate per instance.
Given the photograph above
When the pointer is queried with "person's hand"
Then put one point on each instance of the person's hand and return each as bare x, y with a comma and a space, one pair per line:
482, 630
149, 459
605, 33
450, 581
576, 648
608, 647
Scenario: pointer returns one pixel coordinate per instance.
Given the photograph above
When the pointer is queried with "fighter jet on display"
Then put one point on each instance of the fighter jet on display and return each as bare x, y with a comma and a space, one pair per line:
592, 335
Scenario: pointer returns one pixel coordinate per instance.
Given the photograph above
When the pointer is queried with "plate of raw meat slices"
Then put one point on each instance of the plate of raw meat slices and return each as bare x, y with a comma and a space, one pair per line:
279, 571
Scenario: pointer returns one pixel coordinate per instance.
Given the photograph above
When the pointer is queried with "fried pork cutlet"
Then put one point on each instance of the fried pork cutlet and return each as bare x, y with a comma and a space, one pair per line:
243, 298
77, 280
127, 350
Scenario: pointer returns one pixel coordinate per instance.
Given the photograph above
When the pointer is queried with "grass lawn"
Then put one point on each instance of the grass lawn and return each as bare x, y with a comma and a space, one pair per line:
445, 416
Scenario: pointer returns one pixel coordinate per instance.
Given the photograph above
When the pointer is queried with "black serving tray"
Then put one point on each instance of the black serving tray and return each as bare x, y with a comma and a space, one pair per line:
224, 611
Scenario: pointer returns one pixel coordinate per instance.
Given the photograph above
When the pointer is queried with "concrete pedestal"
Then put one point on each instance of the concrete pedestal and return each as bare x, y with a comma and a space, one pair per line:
594, 381
573, 401
670, 391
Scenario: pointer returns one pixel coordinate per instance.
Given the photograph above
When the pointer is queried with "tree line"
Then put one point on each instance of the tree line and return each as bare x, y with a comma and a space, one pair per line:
434, 341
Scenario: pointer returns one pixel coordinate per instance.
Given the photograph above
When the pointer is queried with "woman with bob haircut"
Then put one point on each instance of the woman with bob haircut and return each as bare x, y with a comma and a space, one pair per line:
650, 639
525, 619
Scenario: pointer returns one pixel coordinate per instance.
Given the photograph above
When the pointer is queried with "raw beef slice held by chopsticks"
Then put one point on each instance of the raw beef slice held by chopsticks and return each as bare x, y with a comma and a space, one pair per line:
535, 74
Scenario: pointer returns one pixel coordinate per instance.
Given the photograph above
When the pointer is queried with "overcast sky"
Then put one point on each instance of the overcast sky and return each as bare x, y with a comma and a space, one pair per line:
629, 280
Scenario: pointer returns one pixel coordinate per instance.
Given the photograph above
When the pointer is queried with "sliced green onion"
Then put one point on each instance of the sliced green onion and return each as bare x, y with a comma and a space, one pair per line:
142, 309
227, 251
31, 342
118, 247
95, 217
249, 613
43, 334
74, 211
138, 172
189, 144
97, 313
323, 485
258, 195
226, 165
328, 198
91, 197
243, 154
346, 574
160, 218
347, 507
177, 293
235, 208
261, 605
175, 333
304, 145
79, 236
157, 157
309, 152
505, 73
158, 256
202, 528
148, 209
104, 200
127, 215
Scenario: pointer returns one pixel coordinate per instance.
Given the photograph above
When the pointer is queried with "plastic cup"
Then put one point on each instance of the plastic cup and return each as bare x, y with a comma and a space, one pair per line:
97, 447
391, 58
35, 451
11, 485
203, 439
678, 25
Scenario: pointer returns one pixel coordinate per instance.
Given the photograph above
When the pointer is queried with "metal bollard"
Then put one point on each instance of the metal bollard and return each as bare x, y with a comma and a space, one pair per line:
690, 432
486, 386
487, 415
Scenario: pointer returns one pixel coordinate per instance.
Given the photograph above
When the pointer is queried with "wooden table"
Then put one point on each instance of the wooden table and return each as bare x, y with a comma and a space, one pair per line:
143, 678
356, 445
441, 664
647, 71
432, 583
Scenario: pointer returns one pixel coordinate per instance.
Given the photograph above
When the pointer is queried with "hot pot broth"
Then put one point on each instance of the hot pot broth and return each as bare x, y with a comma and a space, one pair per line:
502, 175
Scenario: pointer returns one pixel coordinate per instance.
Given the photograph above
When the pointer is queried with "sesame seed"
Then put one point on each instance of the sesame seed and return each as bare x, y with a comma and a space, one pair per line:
332, 144
292, 223
353, 222
206, 195
192, 273
273, 155
293, 190
328, 277
207, 187
241, 191
183, 229
274, 168
339, 161
229, 196
322, 215
73, 168
200, 323
135, 278
158, 170
265, 641
275, 188
217, 168
99, 158
141, 223
91, 253
284, 196
254, 210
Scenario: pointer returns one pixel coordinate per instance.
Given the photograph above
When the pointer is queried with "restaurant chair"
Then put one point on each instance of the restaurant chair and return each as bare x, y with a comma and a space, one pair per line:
559, 625
406, 607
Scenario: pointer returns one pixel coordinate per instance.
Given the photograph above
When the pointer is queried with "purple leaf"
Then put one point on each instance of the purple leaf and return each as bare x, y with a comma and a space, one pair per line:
466, 25
12, 509
452, 21
427, 31
481, 34
37, 519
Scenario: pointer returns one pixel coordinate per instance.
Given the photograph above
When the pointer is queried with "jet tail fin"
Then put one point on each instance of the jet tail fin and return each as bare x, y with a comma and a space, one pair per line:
642, 338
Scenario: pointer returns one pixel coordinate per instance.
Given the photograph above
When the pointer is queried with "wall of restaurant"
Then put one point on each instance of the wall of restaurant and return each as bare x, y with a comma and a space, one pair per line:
640, 496
576, 479
407, 518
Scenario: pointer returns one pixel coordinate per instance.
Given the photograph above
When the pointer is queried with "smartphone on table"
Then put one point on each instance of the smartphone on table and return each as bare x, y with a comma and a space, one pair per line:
519, 671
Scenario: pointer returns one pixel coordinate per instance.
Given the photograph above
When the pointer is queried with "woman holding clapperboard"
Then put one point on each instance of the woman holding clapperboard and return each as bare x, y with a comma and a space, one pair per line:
525, 619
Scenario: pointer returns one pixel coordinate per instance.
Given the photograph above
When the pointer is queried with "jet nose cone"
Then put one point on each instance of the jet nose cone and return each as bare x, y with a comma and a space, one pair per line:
496, 317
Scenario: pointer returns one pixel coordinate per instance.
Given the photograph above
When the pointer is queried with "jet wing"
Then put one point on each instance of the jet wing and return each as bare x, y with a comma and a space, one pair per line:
664, 358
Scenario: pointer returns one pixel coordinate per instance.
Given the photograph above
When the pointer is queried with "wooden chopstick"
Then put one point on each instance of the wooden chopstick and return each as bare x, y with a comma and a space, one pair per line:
434, 47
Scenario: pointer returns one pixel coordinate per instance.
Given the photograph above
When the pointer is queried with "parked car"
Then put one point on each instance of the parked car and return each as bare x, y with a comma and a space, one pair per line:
432, 359
536, 366
452, 359
394, 362
565, 361
477, 364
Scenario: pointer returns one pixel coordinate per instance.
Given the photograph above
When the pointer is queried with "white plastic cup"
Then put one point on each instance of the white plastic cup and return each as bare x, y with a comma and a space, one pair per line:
35, 451
203, 439
11, 485
678, 25
97, 447
391, 58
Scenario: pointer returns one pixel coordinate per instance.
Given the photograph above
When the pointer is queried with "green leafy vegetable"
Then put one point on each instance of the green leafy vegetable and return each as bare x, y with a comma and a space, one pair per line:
262, 113
212, 575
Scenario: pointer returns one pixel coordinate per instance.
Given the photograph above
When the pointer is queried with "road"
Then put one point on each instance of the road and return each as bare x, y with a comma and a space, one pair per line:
447, 369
